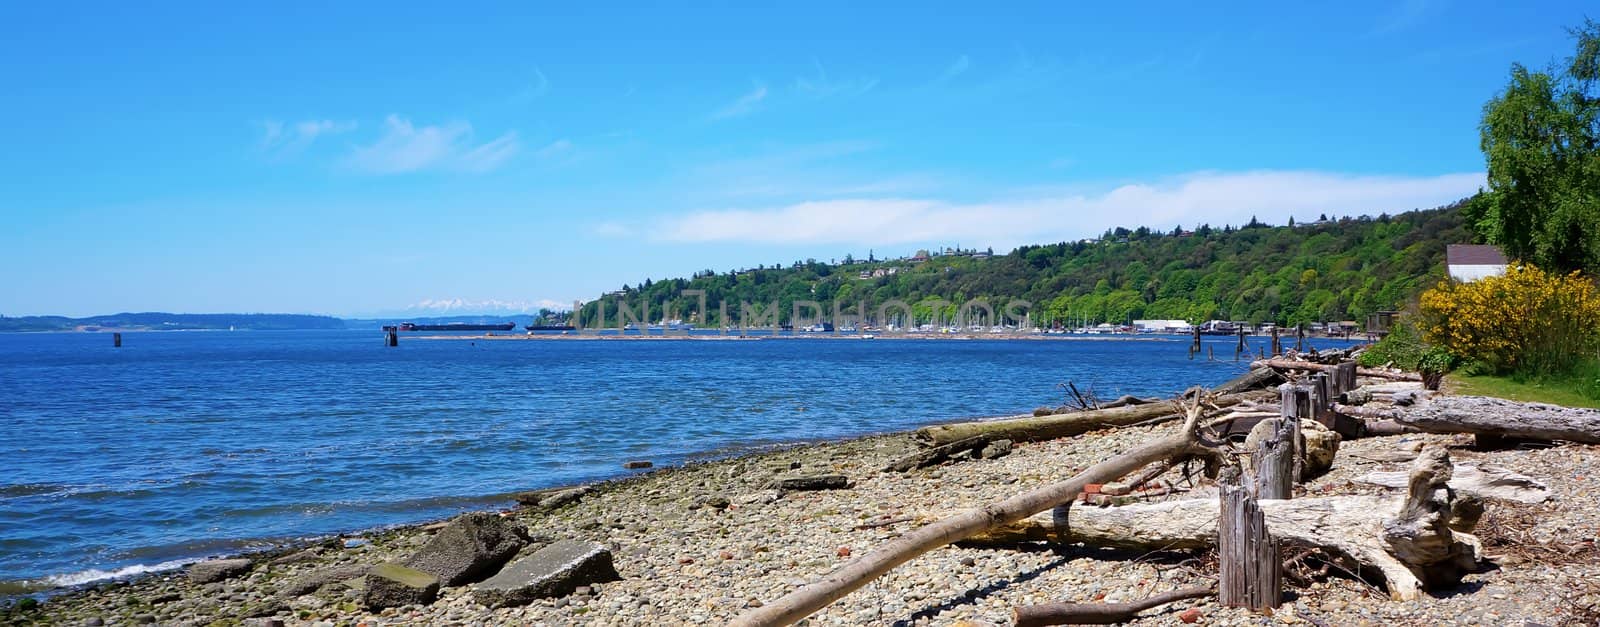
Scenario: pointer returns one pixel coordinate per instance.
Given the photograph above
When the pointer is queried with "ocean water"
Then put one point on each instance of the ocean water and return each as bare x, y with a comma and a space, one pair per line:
179, 446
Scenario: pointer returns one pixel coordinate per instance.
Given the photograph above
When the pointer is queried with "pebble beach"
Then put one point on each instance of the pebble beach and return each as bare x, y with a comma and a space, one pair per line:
699, 544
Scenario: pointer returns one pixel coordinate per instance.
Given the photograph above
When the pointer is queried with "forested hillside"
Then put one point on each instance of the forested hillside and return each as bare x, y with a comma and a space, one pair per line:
1324, 271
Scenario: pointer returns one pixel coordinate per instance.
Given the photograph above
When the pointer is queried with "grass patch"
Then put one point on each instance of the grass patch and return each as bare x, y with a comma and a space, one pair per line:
1554, 391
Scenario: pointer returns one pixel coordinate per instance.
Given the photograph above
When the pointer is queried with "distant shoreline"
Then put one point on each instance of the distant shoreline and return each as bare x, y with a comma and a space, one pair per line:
816, 336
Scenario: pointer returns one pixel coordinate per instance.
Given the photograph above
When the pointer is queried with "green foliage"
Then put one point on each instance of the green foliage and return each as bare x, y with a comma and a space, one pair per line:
1313, 272
1541, 138
1401, 348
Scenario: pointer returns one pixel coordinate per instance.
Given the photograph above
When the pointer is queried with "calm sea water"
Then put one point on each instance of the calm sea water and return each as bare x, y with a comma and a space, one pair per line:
184, 445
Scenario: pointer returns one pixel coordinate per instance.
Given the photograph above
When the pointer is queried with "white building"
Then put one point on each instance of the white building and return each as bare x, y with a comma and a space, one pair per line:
1162, 326
1470, 262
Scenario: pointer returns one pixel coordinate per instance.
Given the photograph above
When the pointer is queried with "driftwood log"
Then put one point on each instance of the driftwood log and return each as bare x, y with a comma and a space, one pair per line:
1499, 417
1483, 482
1255, 379
1291, 364
1354, 529
1100, 613
1039, 428
858, 572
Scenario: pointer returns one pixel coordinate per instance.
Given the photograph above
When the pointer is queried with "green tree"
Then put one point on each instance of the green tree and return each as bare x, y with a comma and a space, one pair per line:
1541, 138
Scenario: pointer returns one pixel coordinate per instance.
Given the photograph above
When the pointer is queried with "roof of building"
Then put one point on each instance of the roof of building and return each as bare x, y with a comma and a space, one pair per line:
1474, 255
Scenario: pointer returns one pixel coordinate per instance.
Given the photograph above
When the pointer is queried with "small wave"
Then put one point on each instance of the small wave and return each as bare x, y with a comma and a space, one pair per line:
93, 575
32, 489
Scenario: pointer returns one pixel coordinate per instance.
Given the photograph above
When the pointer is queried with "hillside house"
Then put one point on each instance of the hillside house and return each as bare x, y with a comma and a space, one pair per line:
1470, 262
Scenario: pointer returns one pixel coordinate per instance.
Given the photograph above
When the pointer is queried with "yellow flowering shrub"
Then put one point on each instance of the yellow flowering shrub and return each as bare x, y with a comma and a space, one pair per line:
1526, 320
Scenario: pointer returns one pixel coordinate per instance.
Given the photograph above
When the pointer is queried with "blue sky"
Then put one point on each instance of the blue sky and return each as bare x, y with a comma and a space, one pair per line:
355, 159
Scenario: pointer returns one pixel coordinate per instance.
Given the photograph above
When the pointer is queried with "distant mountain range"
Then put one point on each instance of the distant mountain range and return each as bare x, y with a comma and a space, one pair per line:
162, 321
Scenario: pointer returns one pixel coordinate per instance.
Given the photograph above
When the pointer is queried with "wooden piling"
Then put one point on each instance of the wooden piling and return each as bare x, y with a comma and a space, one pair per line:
1277, 345
1345, 372
116, 340
1249, 571
1322, 399
1300, 338
1273, 461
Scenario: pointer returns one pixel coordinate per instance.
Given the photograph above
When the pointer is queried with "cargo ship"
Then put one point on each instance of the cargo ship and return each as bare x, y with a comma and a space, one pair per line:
453, 326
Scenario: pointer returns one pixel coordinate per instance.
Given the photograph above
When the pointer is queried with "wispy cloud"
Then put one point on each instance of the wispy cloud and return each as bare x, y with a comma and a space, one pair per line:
536, 89
1216, 198
281, 138
554, 149
612, 228
1402, 15
743, 106
959, 67
404, 147
820, 86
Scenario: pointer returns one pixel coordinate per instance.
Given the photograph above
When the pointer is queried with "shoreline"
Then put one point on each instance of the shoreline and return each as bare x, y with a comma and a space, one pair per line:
701, 542
40, 588
805, 337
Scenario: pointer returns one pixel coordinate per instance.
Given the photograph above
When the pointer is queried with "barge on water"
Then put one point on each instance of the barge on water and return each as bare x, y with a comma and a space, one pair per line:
452, 326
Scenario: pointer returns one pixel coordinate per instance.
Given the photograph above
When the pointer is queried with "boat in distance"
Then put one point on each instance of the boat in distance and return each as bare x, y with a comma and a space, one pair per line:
550, 327
451, 326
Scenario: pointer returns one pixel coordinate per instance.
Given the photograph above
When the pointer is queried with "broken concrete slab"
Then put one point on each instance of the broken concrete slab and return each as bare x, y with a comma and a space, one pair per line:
392, 585
470, 548
553, 571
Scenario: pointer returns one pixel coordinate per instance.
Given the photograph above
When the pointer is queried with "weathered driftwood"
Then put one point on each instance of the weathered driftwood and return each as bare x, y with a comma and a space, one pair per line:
1249, 566
1351, 528
1484, 482
1273, 456
929, 457
1100, 613
1126, 400
1421, 535
1255, 379
1034, 429
1500, 417
1291, 364
857, 572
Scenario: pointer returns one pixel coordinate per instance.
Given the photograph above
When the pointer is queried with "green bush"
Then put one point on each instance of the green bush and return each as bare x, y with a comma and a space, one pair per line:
1401, 348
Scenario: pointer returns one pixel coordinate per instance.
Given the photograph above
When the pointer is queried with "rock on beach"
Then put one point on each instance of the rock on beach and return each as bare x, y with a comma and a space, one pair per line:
553, 571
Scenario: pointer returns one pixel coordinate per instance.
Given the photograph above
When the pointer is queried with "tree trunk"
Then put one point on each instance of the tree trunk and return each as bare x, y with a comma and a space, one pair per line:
1040, 428
1493, 416
1100, 613
859, 571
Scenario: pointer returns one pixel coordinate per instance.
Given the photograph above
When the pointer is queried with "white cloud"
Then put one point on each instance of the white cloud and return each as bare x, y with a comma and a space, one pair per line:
408, 148
280, 138
1207, 197
743, 106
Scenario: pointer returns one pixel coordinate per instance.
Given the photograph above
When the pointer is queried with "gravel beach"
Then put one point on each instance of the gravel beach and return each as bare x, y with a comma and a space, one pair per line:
698, 544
